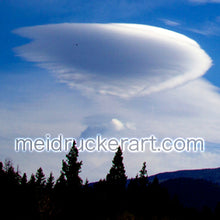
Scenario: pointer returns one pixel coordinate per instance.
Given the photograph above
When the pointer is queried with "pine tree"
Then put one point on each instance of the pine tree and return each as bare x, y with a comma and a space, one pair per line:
8, 166
12, 176
1, 167
86, 186
71, 168
143, 175
40, 177
50, 182
86, 182
2, 173
143, 171
116, 174
24, 180
32, 180
61, 181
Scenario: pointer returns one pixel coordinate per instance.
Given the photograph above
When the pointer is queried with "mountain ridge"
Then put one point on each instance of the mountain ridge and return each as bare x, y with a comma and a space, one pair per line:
209, 174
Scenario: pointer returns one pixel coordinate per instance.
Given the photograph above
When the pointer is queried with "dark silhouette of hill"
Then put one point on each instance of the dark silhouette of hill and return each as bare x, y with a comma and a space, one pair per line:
212, 175
196, 193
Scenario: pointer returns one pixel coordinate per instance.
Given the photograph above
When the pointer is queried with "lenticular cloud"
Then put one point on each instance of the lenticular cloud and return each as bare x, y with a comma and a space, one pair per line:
124, 60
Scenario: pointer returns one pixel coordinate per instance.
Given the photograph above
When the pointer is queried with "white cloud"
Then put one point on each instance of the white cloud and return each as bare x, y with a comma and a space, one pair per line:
124, 60
103, 125
170, 22
189, 110
118, 125
207, 29
131, 126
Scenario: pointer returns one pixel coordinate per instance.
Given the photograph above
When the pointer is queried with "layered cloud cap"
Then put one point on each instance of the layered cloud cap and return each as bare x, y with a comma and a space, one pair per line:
124, 60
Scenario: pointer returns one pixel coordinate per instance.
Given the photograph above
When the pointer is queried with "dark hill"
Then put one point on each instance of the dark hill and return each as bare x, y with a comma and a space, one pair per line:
195, 193
212, 175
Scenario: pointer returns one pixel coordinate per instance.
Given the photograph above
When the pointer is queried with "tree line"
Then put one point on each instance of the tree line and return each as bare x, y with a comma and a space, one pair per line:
114, 197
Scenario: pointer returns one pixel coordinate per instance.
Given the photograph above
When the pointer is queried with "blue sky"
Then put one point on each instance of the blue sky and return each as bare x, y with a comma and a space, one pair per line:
35, 102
